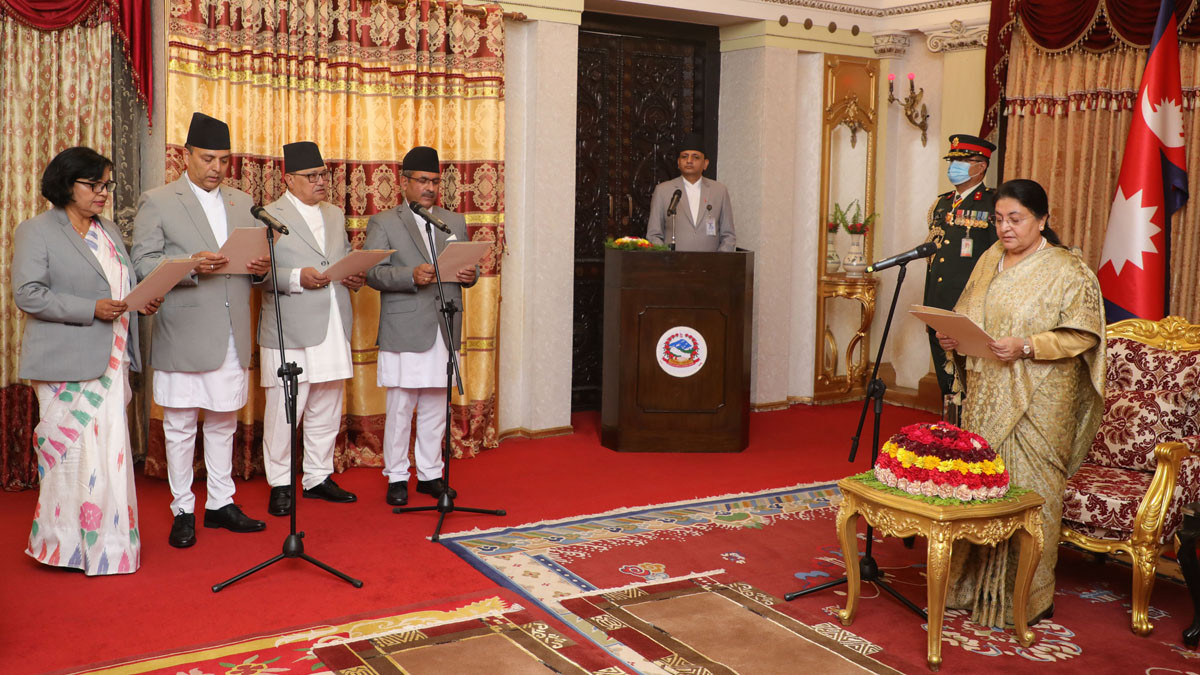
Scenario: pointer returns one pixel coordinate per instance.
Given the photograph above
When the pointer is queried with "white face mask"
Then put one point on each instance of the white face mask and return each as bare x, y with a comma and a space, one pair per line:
959, 172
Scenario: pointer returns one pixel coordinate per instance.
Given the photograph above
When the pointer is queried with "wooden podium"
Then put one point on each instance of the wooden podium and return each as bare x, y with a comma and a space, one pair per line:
677, 330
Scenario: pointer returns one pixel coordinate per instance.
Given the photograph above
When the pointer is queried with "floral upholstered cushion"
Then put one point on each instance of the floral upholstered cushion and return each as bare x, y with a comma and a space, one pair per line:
1136, 421
1102, 501
1135, 366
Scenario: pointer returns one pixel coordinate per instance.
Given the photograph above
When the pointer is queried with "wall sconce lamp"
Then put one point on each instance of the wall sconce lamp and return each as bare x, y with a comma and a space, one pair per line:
919, 119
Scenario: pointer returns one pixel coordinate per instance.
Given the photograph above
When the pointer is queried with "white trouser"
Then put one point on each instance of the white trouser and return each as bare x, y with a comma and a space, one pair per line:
179, 427
430, 403
320, 408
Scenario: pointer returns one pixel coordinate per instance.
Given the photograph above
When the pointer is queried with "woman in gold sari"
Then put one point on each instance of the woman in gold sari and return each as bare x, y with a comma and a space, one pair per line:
1040, 400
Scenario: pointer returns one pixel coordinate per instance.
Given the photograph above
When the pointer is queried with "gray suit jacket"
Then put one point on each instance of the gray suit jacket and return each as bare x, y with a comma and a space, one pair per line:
57, 281
689, 235
306, 314
191, 328
408, 313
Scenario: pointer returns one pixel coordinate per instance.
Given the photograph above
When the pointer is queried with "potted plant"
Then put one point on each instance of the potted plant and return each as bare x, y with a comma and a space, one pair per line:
857, 227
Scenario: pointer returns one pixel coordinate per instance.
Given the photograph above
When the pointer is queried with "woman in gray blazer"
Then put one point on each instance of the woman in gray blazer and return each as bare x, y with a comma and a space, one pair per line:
70, 272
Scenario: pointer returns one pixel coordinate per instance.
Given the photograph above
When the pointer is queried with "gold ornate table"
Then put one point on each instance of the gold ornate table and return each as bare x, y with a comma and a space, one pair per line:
981, 523
829, 385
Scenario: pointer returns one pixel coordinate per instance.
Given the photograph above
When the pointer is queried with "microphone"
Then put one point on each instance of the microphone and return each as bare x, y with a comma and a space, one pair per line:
424, 213
674, 202
261, 213
923, 251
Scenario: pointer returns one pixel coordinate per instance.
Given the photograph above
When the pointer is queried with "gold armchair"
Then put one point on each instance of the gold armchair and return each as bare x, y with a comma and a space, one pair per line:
1144, 464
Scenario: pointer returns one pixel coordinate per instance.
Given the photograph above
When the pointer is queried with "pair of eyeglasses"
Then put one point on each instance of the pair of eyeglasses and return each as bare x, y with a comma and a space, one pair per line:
316, 177
100, 186
425, 182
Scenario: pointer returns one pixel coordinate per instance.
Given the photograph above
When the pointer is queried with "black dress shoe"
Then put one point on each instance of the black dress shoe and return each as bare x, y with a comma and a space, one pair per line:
435, 487
330, 492
183, 530
280, 502
397, 493
231, 518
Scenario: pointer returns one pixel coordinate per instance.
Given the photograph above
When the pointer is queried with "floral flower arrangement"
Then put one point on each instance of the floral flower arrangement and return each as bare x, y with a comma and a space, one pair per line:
632, 244
942, 460
831, 227
853, 222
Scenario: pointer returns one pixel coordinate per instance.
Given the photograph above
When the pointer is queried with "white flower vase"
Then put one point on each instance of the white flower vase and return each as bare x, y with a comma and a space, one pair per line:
832, 260
854, 263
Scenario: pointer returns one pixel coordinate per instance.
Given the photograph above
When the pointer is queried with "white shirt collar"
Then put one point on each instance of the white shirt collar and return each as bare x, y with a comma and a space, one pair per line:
202, 194
314, 209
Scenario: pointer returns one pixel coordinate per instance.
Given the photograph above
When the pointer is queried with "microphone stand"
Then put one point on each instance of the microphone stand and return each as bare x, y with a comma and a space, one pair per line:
293, 545
867, 568
671, 215
453, 376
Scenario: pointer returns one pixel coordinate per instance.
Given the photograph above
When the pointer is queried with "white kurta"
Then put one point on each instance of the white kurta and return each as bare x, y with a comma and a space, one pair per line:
414, 370
328, 360
223, 389
693, 196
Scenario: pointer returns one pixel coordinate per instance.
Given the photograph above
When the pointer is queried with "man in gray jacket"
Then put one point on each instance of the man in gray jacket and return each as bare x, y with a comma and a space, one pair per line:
413, 347
703, 218
317, 318
201, 345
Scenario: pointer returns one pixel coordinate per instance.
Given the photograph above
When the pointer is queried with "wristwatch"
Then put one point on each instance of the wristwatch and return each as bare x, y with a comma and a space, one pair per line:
1026, 348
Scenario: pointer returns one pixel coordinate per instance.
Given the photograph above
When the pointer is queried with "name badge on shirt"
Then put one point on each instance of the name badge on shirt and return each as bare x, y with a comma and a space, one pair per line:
711, 226
968, 247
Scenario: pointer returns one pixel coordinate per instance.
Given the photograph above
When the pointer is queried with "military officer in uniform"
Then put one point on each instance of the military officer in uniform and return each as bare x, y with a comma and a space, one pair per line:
962, 224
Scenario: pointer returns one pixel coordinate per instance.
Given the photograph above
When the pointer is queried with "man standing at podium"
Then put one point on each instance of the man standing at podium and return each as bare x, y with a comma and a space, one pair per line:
691, 213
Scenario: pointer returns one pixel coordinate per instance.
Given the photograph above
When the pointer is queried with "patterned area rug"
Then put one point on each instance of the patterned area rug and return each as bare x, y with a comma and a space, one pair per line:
700, 625
784, 540
513, 642
292, 652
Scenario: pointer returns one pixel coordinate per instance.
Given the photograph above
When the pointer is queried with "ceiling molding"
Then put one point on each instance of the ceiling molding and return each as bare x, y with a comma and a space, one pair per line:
957, 38
901, 10
891, 45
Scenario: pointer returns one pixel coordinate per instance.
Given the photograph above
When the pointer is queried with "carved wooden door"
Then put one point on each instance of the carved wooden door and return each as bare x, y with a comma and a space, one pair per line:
641, 87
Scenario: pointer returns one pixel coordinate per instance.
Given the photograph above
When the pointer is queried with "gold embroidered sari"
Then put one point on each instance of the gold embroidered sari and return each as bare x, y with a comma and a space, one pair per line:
1039, 415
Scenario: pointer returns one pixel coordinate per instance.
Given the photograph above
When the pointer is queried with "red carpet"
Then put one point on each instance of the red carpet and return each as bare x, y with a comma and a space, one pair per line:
168, 603
784, 540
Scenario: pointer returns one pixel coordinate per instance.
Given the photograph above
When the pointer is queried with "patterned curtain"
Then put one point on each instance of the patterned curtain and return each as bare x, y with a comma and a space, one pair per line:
1068, 116
1053, 25
55, 92
366, 80
128, 110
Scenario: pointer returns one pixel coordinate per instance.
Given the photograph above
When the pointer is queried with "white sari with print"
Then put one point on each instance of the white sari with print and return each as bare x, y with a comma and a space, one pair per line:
86, 515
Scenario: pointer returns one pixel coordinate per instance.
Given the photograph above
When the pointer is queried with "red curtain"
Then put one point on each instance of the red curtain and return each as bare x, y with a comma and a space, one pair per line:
1055, 25
131, 21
